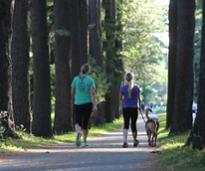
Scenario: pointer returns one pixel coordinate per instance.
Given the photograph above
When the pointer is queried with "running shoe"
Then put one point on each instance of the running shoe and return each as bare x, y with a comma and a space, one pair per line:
84, 144
124, 145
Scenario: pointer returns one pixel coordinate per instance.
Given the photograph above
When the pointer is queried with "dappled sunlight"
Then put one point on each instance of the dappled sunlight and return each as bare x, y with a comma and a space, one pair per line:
172, 145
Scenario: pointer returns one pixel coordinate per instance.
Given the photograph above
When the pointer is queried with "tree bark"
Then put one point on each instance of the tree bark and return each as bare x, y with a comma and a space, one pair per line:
182, 119
94, 31
76, 43
41, 125
119, 61
79, 35
5, 59
63, 36
20, 64
5, 66
110, 49
198, 132
84, 30
172, 60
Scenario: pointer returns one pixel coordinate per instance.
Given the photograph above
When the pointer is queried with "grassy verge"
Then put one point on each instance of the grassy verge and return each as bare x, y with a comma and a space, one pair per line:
30, 141
174, 156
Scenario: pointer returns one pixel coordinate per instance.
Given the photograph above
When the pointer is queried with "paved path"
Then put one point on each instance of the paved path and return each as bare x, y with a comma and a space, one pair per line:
103, 154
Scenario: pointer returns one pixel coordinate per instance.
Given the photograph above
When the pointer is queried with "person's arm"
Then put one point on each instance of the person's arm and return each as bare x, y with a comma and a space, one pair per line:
72, 93
138, 98
139, 102
93, 96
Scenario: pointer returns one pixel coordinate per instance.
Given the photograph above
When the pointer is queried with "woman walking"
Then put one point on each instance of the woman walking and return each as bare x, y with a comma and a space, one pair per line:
130, 97
83, 91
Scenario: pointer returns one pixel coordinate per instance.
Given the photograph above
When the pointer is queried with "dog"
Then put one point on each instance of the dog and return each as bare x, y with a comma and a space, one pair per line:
151, 126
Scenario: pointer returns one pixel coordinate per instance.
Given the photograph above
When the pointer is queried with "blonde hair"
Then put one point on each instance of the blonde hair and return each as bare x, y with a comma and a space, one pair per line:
129, 78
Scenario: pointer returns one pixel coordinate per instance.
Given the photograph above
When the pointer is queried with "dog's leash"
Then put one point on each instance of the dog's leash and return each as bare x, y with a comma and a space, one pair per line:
142, 116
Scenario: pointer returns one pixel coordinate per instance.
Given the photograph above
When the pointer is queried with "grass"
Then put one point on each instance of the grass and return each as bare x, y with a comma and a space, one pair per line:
30, 141
174, 156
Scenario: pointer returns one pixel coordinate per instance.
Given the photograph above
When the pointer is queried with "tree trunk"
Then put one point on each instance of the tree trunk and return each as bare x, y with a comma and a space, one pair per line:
201, 100
5, 61
63, 31
198, 132
20, 64
84, 30
109, 45
94, 31
171, 60
41, 125
5, 65
76, 38
182, 119
119, 60
79, 35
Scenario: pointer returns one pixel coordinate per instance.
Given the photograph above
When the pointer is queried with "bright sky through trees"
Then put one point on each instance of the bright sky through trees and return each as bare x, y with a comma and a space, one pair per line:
163, 2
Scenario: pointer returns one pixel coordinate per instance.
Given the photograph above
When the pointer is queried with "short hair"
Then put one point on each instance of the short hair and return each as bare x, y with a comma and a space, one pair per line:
85, 68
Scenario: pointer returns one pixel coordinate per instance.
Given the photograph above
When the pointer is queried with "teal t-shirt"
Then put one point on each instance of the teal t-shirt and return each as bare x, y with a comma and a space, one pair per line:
82, 87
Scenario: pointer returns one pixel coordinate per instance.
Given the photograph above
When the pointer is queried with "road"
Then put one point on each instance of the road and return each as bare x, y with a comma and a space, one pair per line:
103, 154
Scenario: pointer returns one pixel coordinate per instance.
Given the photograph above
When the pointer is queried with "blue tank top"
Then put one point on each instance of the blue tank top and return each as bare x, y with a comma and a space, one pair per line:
132, 100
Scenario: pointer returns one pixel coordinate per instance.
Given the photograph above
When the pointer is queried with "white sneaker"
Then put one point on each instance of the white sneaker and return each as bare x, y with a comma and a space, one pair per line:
84, 144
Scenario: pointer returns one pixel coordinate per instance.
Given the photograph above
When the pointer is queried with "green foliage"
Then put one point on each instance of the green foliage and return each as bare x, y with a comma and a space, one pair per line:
112, 39
143, 50
101, 82
174, 156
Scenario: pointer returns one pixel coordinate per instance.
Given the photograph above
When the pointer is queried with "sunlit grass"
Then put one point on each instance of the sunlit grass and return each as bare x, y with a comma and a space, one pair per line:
176, 157
30, 141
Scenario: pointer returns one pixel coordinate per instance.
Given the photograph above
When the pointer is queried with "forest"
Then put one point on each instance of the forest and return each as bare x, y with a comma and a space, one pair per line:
43, 43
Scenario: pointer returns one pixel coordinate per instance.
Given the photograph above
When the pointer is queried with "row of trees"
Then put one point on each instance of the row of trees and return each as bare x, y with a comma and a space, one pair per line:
69, 35
45, 42
181, 84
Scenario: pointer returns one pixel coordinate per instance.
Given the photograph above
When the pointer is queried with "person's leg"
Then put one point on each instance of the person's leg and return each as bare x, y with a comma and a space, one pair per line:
126, 127
78, 124
134, 116
86, 118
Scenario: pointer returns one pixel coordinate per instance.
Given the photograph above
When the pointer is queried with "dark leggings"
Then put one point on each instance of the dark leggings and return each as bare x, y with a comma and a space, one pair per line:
82, 114
130, 113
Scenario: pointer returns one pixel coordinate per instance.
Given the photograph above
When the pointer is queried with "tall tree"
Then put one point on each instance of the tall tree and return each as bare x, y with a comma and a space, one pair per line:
172, 59
182, 119
94, 31
76, 41
63, 31
20, 63
110, 49
79, 35
41, 125
84, 29
198, 133
5, 62
118, 61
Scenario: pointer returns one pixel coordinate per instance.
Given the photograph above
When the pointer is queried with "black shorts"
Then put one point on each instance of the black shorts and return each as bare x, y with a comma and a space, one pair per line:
82, 114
